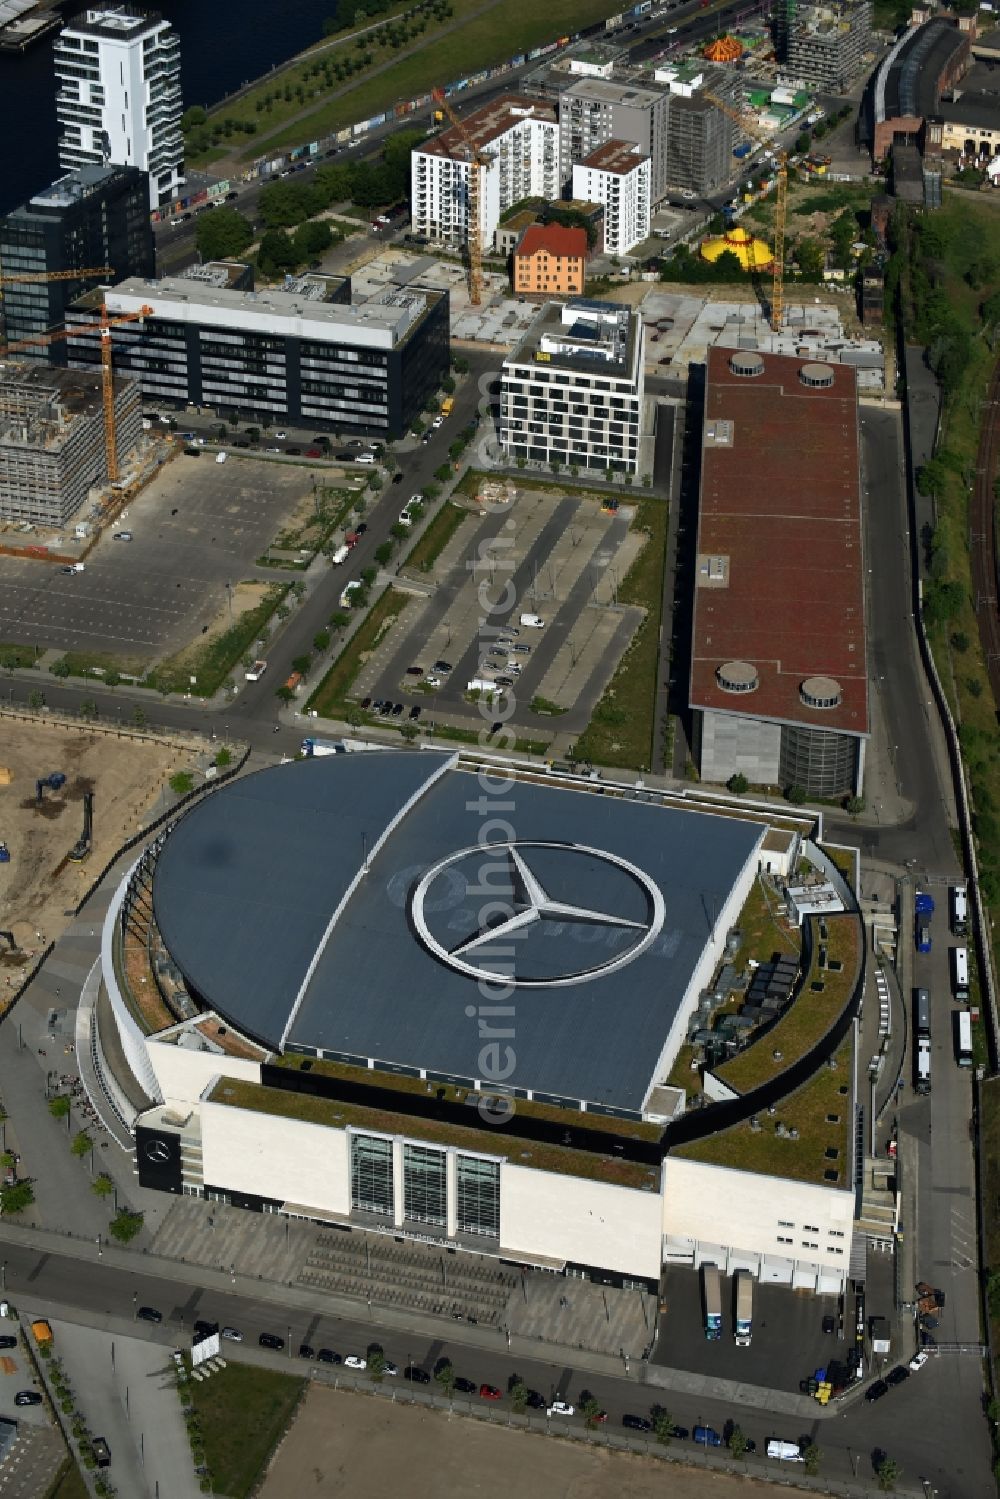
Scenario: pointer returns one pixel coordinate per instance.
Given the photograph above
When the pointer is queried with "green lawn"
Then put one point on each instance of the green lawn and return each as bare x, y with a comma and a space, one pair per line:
331, 696
68, 1483
621, 730
492, 37
810, 1110
14, 656
96, 664
211, 664
809, 1016
436, 537
244, 1412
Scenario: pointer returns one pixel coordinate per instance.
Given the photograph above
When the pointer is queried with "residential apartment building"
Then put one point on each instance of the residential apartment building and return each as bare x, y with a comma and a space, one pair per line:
93, 216
520, 140
550, 260
594, 111
52, 439
572, 391
302, 354
700, 137
617, 176
826, 44
118, 99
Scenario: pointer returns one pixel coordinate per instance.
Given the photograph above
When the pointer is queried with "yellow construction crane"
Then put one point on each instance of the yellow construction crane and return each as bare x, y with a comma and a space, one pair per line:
104, 328
748, 123
477, 160
18, 279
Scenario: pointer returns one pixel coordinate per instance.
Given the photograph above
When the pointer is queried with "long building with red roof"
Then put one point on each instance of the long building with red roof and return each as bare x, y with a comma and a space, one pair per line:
779, 686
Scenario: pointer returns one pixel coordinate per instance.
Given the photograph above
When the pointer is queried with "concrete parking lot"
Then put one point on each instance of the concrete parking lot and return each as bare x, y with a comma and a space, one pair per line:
197, 526
565, 559
788, 1339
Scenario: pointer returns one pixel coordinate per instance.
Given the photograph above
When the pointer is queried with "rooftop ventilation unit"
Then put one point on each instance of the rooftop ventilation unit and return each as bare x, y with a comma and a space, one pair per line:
737, 676
746, 365
821, 692
817, 376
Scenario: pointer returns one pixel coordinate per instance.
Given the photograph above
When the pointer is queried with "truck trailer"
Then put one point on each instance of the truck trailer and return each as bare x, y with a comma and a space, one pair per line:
713, 1302
744, 1309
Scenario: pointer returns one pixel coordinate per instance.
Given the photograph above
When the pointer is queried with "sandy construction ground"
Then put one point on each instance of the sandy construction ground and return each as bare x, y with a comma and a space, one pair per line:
341, 1443
38, 886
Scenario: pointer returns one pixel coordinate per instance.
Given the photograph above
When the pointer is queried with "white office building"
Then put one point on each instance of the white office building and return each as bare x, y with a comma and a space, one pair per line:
616, 175
118, 99
572, 391
520, 140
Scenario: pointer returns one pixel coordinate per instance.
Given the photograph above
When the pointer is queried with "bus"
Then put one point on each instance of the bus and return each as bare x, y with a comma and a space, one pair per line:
922, 1012
960, 974
922, 1066
963, 1038
959, 910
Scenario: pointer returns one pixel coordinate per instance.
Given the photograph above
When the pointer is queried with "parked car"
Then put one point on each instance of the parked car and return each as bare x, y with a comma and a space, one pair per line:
896, 1376
123, 536
397, 477
327, 1356
415, 712
361, 528
354, 1361
918, 1361
306, 1351
149, 1314
679, 1433
490, 1392
8, 1342
415, 1375
233, 1334
313, 453
876, 1391
27, 1397
535, 1401
414, 671
203, 1329
397, 710
637, 1423
443, 666
561, 1408
829, 1324
707, 1436
272, 1341
465, 1386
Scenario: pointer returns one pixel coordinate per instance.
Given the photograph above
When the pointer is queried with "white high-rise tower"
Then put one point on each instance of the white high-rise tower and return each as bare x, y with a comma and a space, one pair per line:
118, 98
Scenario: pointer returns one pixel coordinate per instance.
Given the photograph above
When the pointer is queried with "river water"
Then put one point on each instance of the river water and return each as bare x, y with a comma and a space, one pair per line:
224, 43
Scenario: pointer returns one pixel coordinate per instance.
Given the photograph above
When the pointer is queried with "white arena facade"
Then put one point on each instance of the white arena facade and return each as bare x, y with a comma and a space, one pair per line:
406, 994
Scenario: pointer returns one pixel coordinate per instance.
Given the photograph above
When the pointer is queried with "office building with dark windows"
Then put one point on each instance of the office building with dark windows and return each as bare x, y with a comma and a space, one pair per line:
304, 353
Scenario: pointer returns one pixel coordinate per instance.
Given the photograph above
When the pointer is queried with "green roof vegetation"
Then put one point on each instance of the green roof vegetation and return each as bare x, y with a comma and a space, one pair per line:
520, 1152
819, 1111
570, 1118
810, 1015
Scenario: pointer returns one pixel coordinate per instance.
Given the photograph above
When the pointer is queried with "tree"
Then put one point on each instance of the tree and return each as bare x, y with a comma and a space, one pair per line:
321, 640
518, 1392
738, 783
181, 782
102, 1186
139, 716
802, 143
125, 1226
285, 693
383, 552
338, 621
590, 1409
16, 1198
854, 805
409, 732
82, 1144
796, 795
812, 1456
311, 239
737, 1442
276, 253
36, 700
88, 709
60, 668
301, 664
59, 1106
888, 1472
810, 258
223, 758
376, 1362
223, 233
663, 1425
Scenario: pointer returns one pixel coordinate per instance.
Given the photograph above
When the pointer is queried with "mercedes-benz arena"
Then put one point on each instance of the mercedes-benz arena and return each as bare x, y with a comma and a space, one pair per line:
421, 1000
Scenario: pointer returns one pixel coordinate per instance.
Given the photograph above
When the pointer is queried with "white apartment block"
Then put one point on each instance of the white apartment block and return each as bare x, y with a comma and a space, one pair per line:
572, 391
118, 99
617, 176
520, 138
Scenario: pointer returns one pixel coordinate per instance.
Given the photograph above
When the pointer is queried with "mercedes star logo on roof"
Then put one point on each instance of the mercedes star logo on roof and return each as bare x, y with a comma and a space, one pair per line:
528, 908
157, 1150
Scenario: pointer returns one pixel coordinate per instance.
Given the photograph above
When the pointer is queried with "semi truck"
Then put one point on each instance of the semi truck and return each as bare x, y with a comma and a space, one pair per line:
713, 1302
744, 1309
312, 749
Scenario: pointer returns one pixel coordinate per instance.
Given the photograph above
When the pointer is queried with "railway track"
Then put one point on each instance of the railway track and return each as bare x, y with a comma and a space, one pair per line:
985, 573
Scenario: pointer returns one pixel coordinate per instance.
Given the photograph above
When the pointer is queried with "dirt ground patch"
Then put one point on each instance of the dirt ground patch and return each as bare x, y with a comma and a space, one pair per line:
37, 886
341, 1443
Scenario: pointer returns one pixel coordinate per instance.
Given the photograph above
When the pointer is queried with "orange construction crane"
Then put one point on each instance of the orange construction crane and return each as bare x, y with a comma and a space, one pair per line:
748, 123
104, 328
477, 160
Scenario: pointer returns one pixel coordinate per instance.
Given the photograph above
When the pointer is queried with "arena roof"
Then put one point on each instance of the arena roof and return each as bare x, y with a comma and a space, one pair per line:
345, 905
780, 588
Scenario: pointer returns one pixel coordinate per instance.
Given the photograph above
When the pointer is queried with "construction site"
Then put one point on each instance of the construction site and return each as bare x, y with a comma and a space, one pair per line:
70, 796
54, 442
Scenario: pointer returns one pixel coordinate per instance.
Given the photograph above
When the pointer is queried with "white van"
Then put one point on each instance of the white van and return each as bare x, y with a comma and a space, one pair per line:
220, 457
341, 555
532, 622
785, 1452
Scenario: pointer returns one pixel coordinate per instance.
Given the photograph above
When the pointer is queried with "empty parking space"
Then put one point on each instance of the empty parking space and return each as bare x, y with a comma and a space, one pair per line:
557, 557
196, 529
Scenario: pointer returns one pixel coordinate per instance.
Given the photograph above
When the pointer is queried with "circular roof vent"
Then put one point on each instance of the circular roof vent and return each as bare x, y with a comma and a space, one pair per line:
747, 365
821, 692
817, 376
737, 676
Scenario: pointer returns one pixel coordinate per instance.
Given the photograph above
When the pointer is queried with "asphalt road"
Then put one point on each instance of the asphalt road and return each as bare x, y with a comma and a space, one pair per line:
76, 1288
